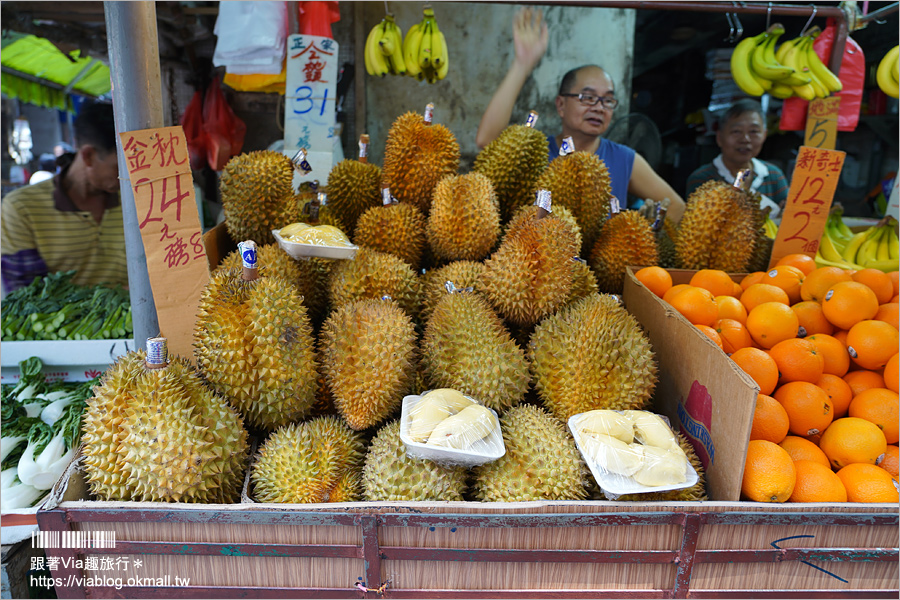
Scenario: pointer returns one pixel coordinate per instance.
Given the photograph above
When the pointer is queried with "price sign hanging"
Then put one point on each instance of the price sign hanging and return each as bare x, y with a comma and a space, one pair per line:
809, 200
821, 123
169, 222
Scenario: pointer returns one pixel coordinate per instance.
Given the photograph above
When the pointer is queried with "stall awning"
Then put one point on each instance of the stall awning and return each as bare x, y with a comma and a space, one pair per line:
37, 72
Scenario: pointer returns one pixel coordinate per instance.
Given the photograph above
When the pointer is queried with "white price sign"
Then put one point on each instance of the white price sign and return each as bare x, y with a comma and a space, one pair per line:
309, 104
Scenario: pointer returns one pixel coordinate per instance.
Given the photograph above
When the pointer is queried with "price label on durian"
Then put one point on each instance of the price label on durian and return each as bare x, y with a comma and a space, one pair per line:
809, 199
821, 123
309, 102
160, 173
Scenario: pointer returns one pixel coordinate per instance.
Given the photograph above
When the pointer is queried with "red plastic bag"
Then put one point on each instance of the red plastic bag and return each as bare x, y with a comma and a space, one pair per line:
224, 130
192, 123
852, 76
316, 17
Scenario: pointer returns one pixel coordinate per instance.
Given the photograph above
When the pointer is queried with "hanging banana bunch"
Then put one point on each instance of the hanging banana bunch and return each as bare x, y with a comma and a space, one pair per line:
886, 75
384, 49
425, 49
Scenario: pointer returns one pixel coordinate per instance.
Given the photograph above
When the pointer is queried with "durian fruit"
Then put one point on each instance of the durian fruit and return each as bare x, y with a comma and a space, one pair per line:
397, 229
390, 475
513, 162
695, 493
305, 462
580, 182
541, 461
530, 275
466, 348
417, 155
717, 230
161, 435
309, 276
348, 487
583, 281
762, 249
257, 195
464, 223
625, 239
592, 355
373, 274
353, 188
525, 214
462, 273
368, 347
253, 342
665, 244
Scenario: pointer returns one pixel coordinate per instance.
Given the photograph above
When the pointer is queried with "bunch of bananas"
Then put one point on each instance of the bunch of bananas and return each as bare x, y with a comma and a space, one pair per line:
425, 50
771, 228
878, 247
887, 75
384, 49
793, 70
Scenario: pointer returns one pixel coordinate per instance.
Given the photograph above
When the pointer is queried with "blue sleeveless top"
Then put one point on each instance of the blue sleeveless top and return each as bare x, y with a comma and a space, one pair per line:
618, 159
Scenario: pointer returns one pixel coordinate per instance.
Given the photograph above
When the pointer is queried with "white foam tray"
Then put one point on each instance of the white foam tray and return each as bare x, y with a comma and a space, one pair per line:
303, 251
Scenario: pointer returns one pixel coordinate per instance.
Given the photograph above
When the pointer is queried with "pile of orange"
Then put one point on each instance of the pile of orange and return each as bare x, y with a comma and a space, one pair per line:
822, 345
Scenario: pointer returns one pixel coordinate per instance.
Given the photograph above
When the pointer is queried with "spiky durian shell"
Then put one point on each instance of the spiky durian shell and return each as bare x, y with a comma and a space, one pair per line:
368, 349
161, 435
305, 462
530, 275
665, 244
464, 223
626, 239
353, 188
580, 182
254, 344
397, 229
592, 355
462, 273
390, 475
525, 214
348, 488
513, 162
373, 274
762, 248
416, 157
541, 461
257, 197
309, 276
695, 493
717, 230
467, 348
583, 281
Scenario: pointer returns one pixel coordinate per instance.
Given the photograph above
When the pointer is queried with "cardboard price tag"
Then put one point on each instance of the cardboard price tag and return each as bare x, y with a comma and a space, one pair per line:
167, 215
809, 200
821, 123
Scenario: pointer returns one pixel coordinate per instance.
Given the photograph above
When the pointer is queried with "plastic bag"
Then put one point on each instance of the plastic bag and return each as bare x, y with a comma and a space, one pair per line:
224, 130
852, 76
316, 17
251, 36
192, 123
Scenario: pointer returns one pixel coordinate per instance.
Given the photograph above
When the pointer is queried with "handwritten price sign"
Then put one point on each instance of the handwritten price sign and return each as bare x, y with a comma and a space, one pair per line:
821, 123
160, 173
809, 200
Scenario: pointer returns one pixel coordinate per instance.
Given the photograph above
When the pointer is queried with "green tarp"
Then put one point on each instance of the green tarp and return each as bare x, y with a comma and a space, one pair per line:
39, 58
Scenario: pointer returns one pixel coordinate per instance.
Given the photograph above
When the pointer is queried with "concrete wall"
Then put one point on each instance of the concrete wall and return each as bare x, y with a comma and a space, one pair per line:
479, 40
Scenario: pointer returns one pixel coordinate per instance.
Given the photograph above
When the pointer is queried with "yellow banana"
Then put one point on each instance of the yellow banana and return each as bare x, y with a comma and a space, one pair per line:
370, 66
740, 67
887, 266
884, 252
425, 46
397, 59
893, 244
868, 252
445, 63
852, 248
794, 78
762, 59
821, 261
792, 58
373, 53
883, 75
781, 90
411, 49
895, 74
803, 60
436, 51
822, 73
827, 248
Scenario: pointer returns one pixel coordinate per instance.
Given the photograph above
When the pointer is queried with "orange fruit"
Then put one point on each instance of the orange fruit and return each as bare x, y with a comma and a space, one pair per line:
802, 449
711, 334
838, 392
880, 406
847, 303
895, 281
752, 278
733, 334
889, 313
868, 483
890, 371
770, 420
860, 381
717, 282
759, 293
872, 343
837, 359
772, 322
759, 366
891, 461
808, 407
806, 264
731, 308
852, 440
787, 278
841, 336
817, 283
812, 319
737, 291
797, 360
697, 305
895, 300
816, 483
769, 473
656, 279
877, 281
675, 290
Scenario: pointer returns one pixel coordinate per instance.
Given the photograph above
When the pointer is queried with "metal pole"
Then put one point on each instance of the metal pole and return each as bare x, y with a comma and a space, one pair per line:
137, 102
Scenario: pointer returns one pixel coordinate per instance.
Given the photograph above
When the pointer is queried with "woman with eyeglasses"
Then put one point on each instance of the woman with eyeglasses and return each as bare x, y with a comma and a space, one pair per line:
585, 103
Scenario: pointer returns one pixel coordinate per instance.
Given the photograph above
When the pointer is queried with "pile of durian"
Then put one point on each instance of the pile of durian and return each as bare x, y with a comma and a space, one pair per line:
460, 282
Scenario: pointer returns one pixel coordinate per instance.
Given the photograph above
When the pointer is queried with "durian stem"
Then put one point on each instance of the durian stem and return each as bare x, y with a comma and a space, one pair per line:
250, 274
